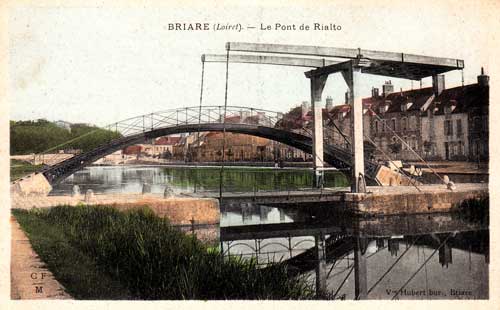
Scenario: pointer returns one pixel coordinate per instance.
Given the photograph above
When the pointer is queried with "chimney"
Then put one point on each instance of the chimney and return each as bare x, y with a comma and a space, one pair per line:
483, 80
329, 103
438, 84
347, 97
306, 107
374, 92
387, 88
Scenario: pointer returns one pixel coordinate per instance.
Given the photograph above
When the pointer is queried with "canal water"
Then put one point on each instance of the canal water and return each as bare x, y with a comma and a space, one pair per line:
130, 179
437, 256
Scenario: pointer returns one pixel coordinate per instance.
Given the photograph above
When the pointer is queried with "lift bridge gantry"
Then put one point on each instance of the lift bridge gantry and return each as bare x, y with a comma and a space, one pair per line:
351, 63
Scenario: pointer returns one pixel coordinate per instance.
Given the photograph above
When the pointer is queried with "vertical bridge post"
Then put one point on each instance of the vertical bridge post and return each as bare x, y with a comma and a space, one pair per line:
351, 71
352, 77
317, 86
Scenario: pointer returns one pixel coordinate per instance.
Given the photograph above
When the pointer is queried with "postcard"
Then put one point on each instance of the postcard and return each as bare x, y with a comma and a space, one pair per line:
322, 154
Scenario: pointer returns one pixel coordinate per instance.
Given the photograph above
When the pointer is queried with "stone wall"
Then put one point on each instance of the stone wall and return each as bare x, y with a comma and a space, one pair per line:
33, 184
426, 201
179, 210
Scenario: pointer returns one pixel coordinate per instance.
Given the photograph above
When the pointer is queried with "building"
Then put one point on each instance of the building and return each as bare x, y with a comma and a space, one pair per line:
163, 147
394, 121
207, 146
238, 147
434, 123
63, 124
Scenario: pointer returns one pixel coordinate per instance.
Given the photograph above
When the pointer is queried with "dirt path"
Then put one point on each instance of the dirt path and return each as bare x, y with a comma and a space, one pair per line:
29, 279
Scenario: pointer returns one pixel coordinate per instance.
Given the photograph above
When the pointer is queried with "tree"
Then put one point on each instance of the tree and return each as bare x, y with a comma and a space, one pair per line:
41, 135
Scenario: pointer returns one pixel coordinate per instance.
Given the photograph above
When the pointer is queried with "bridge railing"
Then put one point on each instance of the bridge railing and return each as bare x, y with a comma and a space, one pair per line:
195, 115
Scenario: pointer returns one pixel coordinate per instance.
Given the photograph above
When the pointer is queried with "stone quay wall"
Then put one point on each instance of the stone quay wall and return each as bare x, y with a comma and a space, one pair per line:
431, 199
179, 210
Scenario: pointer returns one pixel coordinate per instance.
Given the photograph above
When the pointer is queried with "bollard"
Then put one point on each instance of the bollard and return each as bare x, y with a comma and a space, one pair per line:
89, 195
76, 191
146, 188
168, 192
449, 184
446, 179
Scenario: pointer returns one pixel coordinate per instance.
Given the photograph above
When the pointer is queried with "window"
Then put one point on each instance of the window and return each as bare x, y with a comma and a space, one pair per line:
404, 123
383, 125
448, 128
393, 124
459, 128
384, 107
376, 126
414, 143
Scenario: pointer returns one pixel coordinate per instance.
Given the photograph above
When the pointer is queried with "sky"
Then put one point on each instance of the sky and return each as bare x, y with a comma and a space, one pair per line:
102, 65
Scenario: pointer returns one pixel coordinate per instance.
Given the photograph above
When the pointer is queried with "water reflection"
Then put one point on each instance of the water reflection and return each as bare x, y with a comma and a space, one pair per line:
129, 179
439, 256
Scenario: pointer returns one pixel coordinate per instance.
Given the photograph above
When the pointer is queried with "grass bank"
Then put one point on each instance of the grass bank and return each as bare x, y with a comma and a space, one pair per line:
18, 169
144, 257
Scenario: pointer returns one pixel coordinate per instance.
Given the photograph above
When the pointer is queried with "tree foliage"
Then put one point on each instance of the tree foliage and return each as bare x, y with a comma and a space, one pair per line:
37, 136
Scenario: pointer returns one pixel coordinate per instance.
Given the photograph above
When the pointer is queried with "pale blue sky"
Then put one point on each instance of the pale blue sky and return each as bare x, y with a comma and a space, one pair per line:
103, 65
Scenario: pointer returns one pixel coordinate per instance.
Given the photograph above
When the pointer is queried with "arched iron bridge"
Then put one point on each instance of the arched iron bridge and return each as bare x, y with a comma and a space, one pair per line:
243, 120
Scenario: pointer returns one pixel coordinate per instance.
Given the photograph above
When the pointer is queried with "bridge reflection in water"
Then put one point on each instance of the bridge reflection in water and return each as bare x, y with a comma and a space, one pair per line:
440, 256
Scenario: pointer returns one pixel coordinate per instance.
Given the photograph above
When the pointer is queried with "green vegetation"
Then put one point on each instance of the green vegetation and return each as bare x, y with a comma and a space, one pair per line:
76, 270
147, 257
28, 137
249, 179
18, 169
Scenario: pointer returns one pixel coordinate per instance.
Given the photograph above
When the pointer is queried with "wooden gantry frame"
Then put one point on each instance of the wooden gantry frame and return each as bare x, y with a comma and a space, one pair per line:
351, 63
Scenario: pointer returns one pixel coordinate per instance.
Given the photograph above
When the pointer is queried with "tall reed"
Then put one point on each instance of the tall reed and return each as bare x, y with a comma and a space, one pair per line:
153, 260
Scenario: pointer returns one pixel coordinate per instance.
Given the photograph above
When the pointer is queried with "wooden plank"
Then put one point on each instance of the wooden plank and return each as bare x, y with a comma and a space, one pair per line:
269, 60
428, 60
343, 53
292, 49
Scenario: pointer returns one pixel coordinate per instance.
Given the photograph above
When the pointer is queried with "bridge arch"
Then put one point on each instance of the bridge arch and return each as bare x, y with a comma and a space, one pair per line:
262, 123
334, 156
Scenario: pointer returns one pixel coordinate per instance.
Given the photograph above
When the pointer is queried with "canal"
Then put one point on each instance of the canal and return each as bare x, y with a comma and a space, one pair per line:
436, 256
130, 179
